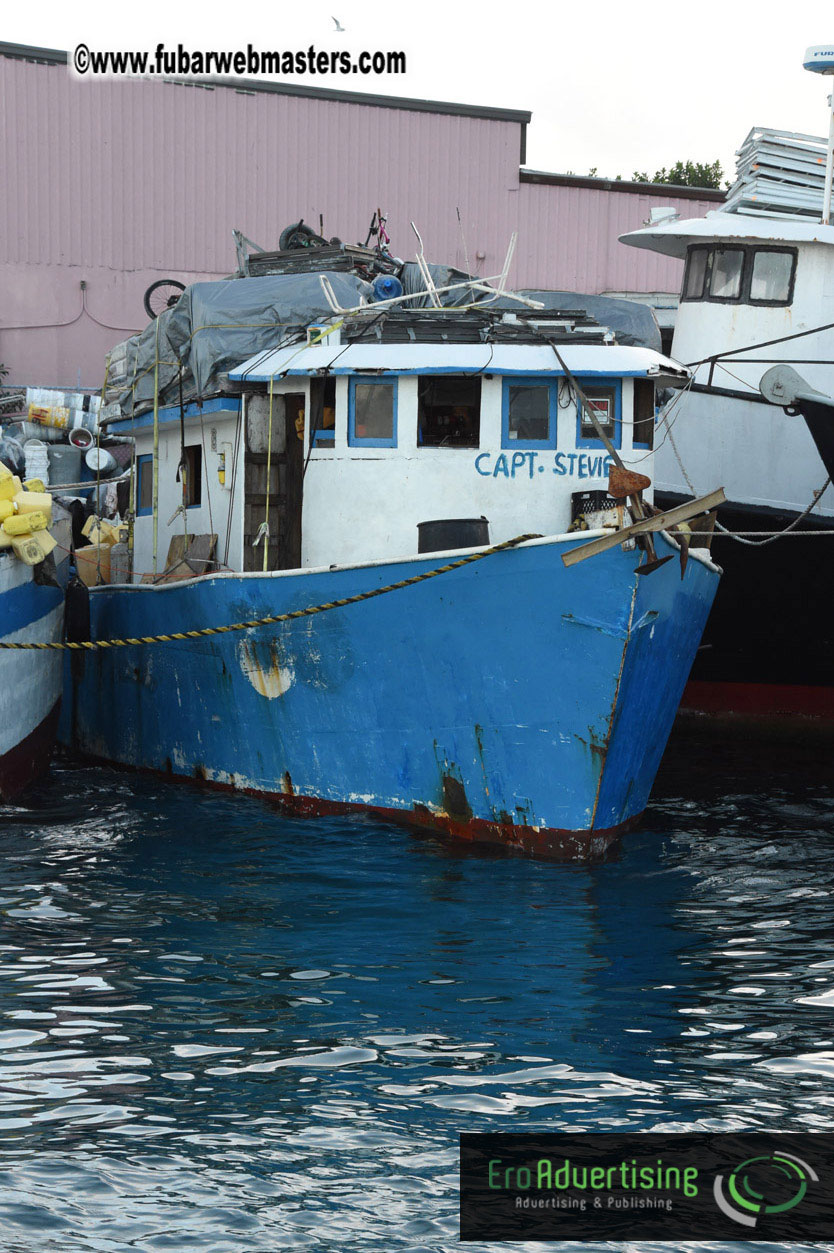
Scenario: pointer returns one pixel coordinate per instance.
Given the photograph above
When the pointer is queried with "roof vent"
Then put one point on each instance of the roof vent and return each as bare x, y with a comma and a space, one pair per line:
667, 213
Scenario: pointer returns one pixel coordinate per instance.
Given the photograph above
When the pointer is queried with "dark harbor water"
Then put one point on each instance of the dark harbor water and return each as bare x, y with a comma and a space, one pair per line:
225, 1030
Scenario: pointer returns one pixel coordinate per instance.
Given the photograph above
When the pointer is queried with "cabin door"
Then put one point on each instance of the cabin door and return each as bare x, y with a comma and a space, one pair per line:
280, 459
289, 538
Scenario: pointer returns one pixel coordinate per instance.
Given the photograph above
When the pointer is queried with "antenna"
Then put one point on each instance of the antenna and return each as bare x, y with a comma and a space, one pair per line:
819, 59
463, 241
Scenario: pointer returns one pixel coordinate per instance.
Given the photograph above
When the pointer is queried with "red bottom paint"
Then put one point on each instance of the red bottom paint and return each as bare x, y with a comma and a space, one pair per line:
22, 764
759, 700
546, 842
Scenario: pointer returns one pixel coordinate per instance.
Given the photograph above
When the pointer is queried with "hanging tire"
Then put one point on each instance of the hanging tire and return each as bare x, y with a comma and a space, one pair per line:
299, 235
162, 295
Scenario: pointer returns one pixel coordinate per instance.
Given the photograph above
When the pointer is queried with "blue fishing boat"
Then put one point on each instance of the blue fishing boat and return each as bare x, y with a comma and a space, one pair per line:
31, 609
437, 589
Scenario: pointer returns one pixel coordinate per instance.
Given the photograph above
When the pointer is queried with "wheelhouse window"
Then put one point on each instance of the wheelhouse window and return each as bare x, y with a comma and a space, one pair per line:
772, 276
696, 272
644, 411
604, 400
372, 413
725, 274
742, 273
529, 413
448, 411
323, 412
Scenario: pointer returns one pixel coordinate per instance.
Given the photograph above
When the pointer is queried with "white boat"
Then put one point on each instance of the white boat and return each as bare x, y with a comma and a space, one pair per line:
758, 290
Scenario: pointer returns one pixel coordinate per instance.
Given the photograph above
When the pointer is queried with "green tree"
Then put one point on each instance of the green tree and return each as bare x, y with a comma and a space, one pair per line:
685, 174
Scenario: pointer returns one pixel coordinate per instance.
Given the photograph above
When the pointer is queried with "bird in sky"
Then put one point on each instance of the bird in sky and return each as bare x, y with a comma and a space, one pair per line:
339, 26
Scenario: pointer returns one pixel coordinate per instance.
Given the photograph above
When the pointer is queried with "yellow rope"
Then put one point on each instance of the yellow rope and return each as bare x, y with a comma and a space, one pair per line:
268, 619
268, 473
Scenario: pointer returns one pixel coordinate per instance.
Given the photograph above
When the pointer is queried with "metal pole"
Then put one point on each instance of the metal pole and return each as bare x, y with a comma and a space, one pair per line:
829, 164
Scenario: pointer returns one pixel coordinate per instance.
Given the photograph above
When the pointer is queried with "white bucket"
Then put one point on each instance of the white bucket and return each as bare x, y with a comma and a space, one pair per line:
100, 461
81, 438
36, 460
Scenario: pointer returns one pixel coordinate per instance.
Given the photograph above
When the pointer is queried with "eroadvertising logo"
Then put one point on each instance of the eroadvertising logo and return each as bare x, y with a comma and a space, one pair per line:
783, 1178
647, 1186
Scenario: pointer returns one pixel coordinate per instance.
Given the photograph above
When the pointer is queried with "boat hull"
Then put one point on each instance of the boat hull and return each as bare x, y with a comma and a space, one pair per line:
30, 682
510, 701
768, 648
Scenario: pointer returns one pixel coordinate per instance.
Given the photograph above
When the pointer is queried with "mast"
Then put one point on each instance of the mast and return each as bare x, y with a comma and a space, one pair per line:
819, 59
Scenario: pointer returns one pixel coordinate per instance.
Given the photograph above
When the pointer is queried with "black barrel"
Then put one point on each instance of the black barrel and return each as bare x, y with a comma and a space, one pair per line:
444, 533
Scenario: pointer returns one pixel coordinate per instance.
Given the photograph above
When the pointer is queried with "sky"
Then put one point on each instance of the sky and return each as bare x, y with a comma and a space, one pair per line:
612, 86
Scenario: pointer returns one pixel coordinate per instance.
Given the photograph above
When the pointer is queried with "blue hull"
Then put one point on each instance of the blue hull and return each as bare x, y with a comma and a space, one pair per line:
511, 700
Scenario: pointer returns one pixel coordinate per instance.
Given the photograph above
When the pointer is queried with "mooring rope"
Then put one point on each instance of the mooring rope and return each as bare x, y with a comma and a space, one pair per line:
268, 619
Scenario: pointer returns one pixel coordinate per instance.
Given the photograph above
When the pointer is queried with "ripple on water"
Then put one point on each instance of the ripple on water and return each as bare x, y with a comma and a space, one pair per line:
225, 1028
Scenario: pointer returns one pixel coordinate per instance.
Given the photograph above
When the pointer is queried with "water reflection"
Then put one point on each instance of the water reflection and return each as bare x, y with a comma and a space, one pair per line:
221, 1025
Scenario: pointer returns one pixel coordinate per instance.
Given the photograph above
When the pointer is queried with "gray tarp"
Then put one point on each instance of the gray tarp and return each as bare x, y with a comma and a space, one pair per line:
215, 326
632, 323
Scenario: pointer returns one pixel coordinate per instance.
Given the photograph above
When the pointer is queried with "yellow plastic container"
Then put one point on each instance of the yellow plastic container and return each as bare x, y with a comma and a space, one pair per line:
5, 539
25, 523
35, 502
10, 485
6, 509
50, 415
92, 559
99, 531
34, 485
32, 549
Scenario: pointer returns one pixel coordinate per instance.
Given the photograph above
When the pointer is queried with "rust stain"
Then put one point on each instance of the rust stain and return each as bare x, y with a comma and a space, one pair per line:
602, 749
265, 669
454, 798
286, 784
479, 740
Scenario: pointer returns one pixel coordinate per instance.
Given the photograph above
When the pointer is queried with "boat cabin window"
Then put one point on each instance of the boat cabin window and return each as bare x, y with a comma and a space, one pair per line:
605, 402
372, 412
696, 270
743, 273
725, 274
323, 412
644, 408
772, 275
448, 411
528, 411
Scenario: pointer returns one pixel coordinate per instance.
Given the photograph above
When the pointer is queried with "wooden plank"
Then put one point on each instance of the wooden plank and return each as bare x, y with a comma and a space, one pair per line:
658, 522
195, 561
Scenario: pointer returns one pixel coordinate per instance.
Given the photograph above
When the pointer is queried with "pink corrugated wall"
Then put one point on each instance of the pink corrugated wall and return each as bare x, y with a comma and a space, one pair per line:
115, 184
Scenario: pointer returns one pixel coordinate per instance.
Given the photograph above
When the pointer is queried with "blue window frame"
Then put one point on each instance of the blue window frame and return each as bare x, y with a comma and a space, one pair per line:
606, 395
372, 412
144, 484
528, 412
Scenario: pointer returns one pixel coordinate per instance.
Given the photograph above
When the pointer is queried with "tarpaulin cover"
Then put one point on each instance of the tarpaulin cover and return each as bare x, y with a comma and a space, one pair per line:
632, 323
215, 326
